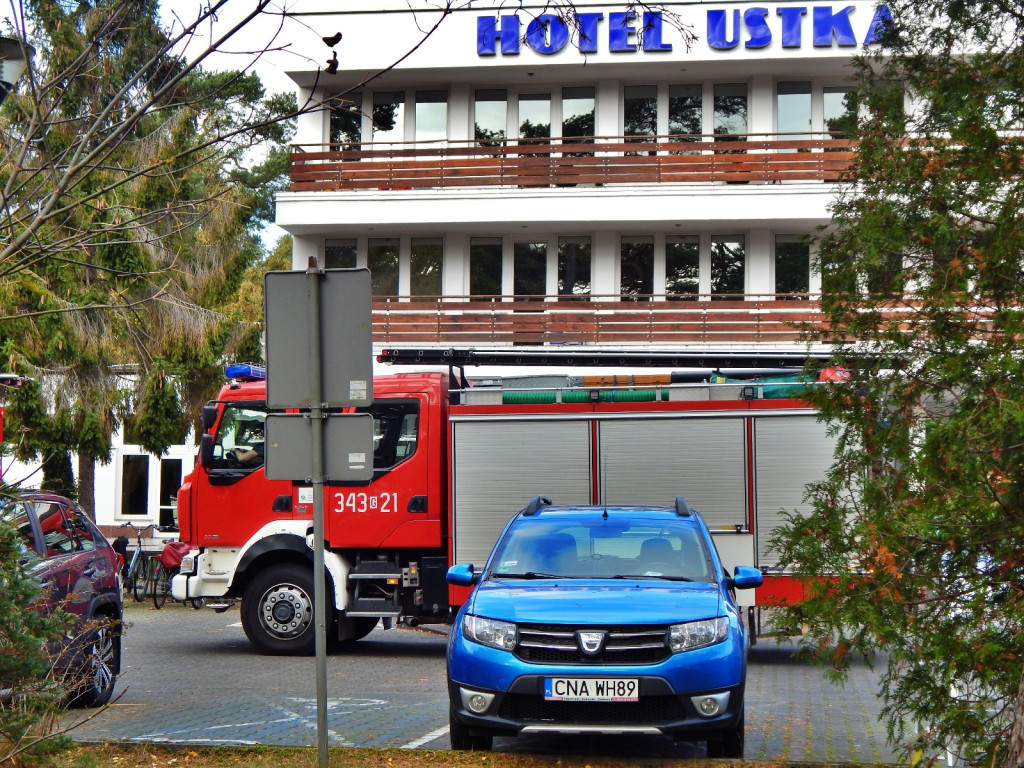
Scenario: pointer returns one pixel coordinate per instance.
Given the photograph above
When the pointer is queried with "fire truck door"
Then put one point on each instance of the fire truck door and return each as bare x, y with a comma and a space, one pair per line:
401, 506
233, 498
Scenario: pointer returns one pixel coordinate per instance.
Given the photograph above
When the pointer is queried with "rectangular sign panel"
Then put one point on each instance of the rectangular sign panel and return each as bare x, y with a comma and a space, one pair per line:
346, 323
348, 447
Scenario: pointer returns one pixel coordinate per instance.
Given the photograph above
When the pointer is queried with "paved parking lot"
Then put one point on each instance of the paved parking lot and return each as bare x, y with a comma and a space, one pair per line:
191, 677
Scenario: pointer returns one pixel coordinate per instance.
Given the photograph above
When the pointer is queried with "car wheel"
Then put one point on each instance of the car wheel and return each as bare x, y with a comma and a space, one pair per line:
730, 744
102, 659
277, 611
462, 739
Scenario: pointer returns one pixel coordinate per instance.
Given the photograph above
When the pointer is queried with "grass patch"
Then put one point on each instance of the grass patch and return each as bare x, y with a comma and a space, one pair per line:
158, 756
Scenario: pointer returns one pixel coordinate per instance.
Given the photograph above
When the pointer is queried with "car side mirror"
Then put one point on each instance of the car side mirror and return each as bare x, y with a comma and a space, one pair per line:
462, 575
746, 577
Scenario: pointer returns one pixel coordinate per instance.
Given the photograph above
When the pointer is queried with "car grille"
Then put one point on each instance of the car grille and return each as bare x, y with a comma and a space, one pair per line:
649, 710
556, 644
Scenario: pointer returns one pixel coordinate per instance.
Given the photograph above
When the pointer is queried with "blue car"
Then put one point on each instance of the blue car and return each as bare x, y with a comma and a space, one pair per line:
600, 619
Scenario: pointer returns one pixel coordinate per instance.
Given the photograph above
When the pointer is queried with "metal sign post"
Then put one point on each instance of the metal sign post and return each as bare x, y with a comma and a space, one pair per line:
348, 361
317, 470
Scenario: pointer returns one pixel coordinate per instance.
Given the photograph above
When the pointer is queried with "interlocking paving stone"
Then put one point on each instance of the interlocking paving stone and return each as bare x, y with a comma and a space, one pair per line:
191, 677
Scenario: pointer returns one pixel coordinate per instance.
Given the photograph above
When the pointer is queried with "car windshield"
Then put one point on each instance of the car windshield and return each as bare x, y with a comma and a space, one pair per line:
602, 548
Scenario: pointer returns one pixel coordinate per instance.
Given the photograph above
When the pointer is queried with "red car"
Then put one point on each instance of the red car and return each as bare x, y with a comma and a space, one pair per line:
77, 569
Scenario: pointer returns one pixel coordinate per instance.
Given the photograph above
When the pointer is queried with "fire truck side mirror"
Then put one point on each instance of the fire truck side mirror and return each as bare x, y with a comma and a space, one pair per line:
206, 450
209, 417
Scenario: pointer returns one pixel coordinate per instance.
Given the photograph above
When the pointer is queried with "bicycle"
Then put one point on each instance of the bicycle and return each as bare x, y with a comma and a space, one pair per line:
136, 571
162, 573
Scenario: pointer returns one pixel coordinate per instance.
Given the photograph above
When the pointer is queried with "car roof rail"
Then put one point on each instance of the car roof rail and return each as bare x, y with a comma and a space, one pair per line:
535, 504
682, 508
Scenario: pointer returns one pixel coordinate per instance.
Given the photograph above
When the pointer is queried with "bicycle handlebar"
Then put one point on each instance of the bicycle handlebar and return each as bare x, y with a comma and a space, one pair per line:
139, 531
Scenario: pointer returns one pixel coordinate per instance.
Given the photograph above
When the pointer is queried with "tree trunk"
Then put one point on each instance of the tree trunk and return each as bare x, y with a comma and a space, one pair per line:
1015, 744
87, 484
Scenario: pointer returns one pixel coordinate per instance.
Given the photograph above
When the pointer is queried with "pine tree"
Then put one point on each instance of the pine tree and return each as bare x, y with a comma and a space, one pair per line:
919, 526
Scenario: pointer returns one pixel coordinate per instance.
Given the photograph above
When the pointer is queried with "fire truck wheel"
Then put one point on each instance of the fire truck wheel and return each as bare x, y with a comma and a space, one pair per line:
277, 611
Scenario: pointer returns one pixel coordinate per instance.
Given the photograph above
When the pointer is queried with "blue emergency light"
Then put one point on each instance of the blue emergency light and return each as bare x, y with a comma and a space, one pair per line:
246, 372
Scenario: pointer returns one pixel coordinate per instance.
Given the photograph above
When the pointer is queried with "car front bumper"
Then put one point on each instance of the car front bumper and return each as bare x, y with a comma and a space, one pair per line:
522, 709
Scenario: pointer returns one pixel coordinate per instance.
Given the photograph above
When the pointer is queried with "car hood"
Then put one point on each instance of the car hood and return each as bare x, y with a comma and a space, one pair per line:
595, 602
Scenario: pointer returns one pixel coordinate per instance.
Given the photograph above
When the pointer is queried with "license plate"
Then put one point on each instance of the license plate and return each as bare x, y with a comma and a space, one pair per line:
591, 689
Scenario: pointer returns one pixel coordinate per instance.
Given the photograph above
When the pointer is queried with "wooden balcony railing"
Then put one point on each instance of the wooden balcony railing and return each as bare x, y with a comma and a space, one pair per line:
536, 321
767, 158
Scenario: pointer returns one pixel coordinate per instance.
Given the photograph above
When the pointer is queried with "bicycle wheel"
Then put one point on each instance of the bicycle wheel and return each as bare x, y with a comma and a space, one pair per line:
161, 584
196, 602
137, 578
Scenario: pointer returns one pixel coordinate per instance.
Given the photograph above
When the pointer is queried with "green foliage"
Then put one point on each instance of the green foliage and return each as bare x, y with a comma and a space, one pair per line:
24, 666
131, 211
159, 420
920, 524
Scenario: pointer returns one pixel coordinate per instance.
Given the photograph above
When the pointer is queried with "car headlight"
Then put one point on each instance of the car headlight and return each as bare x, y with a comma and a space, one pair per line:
697, 634
490, 632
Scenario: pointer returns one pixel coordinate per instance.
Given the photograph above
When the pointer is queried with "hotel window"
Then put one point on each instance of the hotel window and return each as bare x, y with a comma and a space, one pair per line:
134, 484
574, 266
340, 254
685, 113
682, 267
730, 111
792, 267
388, 117
382, 259
170, 482
431, 115
793, 112
346, 122
639, 113
728, 267
529, 270
839, 108
578, 117
490, 117
425, 260
485, 267
535, 115
636, 260
885, 278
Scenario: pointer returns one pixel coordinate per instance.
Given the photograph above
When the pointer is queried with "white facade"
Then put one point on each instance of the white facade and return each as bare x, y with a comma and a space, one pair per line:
135, 487
778, 75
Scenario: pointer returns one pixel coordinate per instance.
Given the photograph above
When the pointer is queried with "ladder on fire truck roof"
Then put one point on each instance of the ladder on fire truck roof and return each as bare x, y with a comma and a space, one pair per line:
637, 358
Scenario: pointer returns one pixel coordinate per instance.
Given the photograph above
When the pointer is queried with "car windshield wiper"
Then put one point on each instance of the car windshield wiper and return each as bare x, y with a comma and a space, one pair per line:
530, 575
650, 576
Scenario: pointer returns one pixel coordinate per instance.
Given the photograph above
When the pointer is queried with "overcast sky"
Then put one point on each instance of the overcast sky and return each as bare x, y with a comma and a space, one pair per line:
292, 43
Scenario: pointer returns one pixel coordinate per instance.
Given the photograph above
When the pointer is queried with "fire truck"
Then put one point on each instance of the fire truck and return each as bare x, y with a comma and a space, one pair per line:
453, 462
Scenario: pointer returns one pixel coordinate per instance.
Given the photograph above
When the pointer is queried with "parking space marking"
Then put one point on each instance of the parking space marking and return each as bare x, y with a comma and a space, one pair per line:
426, 738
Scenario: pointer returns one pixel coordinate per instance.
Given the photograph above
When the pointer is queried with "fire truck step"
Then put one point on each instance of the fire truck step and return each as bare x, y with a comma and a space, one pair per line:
375, 569
372, 606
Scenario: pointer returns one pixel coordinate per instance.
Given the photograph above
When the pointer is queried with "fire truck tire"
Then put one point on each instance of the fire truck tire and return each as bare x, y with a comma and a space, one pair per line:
277, 611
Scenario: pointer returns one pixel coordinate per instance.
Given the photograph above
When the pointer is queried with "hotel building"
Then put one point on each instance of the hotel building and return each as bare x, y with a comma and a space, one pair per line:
596, 176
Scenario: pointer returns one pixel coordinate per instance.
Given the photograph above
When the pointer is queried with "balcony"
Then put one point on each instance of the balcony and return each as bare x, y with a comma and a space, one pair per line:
568, 162
599, 321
